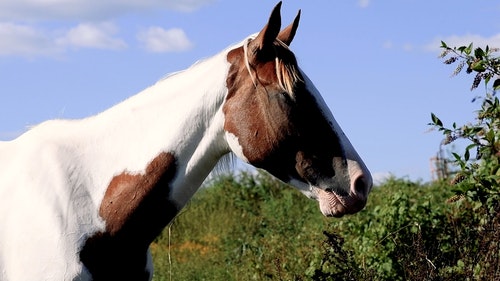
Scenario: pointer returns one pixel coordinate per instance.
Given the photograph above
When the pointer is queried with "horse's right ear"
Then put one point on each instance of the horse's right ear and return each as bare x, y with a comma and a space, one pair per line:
287, 34
265, 38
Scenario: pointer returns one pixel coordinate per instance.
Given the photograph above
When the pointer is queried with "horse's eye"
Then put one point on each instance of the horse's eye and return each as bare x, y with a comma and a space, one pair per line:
281, 95
286, 95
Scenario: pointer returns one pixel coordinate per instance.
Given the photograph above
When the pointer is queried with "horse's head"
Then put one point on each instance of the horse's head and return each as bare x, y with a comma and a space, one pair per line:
275, 119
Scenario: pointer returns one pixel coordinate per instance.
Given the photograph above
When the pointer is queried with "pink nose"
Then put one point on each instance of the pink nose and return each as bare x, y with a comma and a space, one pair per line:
333, 204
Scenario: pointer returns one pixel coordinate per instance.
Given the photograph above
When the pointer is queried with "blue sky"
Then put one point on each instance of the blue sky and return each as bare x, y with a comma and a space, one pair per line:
375, 62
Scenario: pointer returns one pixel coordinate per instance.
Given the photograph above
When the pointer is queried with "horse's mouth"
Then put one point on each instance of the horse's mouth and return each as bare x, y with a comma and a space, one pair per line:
332, 204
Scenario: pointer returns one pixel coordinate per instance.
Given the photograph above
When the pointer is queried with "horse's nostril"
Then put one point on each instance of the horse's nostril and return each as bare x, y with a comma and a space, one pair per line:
360, 187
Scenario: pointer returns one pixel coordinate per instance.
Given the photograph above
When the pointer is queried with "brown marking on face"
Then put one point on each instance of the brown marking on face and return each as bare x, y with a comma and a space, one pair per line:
135, 208
281, 127
285, 134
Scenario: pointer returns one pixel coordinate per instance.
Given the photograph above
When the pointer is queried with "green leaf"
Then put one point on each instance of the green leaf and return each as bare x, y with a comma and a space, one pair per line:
436, 120
479, 53
443, 45
470, 146
475, 130
468, 50
490, 136
496, 84
487, 78
467, 155
478, 66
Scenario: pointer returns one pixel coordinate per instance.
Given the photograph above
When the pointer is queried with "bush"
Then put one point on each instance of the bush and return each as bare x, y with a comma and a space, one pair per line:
243, 227
252, 227
477, 184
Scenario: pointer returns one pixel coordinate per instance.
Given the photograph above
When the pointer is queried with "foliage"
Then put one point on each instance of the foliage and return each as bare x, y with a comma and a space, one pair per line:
478, 61
252, 227
387, 238
244, 227
478, 181
479, 178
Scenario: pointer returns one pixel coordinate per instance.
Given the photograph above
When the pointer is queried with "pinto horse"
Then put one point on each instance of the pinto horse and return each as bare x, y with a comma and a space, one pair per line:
83, 199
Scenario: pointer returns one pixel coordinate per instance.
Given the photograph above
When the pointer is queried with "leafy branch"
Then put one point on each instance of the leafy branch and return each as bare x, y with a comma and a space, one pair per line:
480, 61
479, 177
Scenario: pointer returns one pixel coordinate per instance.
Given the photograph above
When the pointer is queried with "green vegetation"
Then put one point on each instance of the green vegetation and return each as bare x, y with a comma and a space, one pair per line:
479, 178
252, 227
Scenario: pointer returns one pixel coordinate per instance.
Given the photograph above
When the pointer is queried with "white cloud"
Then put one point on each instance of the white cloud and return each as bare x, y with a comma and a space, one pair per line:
29, 41
381, 177
408, 47
364, 3
158, 40
464, 40
22, 35
32, 10
91, 35
387, 44
24, 40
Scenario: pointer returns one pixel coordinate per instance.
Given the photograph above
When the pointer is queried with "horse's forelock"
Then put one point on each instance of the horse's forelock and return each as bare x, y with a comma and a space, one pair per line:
285, 64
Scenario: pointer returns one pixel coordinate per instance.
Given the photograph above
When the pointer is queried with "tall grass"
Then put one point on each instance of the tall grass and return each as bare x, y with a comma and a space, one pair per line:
251, 227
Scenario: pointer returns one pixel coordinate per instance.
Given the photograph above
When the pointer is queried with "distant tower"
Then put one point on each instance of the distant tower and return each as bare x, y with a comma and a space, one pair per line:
439, 166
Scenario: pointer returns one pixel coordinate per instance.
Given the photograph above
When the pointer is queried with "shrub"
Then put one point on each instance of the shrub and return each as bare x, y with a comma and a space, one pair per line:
477, 184
252, 227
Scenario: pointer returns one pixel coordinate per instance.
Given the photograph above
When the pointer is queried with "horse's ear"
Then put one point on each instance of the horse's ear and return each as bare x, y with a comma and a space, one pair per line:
268, 34
287, 34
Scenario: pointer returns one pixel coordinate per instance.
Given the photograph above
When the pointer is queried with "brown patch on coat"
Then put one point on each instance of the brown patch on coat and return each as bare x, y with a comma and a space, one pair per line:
135, 208
248, 109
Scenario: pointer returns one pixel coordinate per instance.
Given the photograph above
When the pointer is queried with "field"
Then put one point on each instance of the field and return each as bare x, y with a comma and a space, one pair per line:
252, 227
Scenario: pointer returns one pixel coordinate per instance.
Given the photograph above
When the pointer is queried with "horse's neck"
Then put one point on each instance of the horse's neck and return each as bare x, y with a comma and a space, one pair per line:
181, 114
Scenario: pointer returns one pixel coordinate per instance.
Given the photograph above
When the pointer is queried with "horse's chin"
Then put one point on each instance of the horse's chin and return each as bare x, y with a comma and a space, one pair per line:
332, 204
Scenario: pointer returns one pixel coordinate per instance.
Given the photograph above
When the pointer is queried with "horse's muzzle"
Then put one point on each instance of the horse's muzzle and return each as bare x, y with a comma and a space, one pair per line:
333, 204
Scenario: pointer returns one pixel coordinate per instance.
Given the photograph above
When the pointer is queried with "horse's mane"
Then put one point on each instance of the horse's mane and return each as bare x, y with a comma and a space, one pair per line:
286, 69
225, 164
286, 65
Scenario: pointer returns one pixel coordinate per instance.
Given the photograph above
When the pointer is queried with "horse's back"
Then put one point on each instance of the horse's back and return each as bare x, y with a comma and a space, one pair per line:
36, 214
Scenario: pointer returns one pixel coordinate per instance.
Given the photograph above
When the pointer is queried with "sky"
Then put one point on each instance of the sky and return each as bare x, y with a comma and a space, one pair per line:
375, 62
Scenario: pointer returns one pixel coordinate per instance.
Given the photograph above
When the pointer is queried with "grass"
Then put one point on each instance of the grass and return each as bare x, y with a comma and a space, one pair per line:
251, 227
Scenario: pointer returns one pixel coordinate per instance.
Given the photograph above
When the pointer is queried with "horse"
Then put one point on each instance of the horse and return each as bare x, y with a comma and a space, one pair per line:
84, 199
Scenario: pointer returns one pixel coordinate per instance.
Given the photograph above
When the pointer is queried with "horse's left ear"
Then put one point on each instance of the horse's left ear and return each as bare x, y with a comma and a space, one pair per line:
268, 34
287, 34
